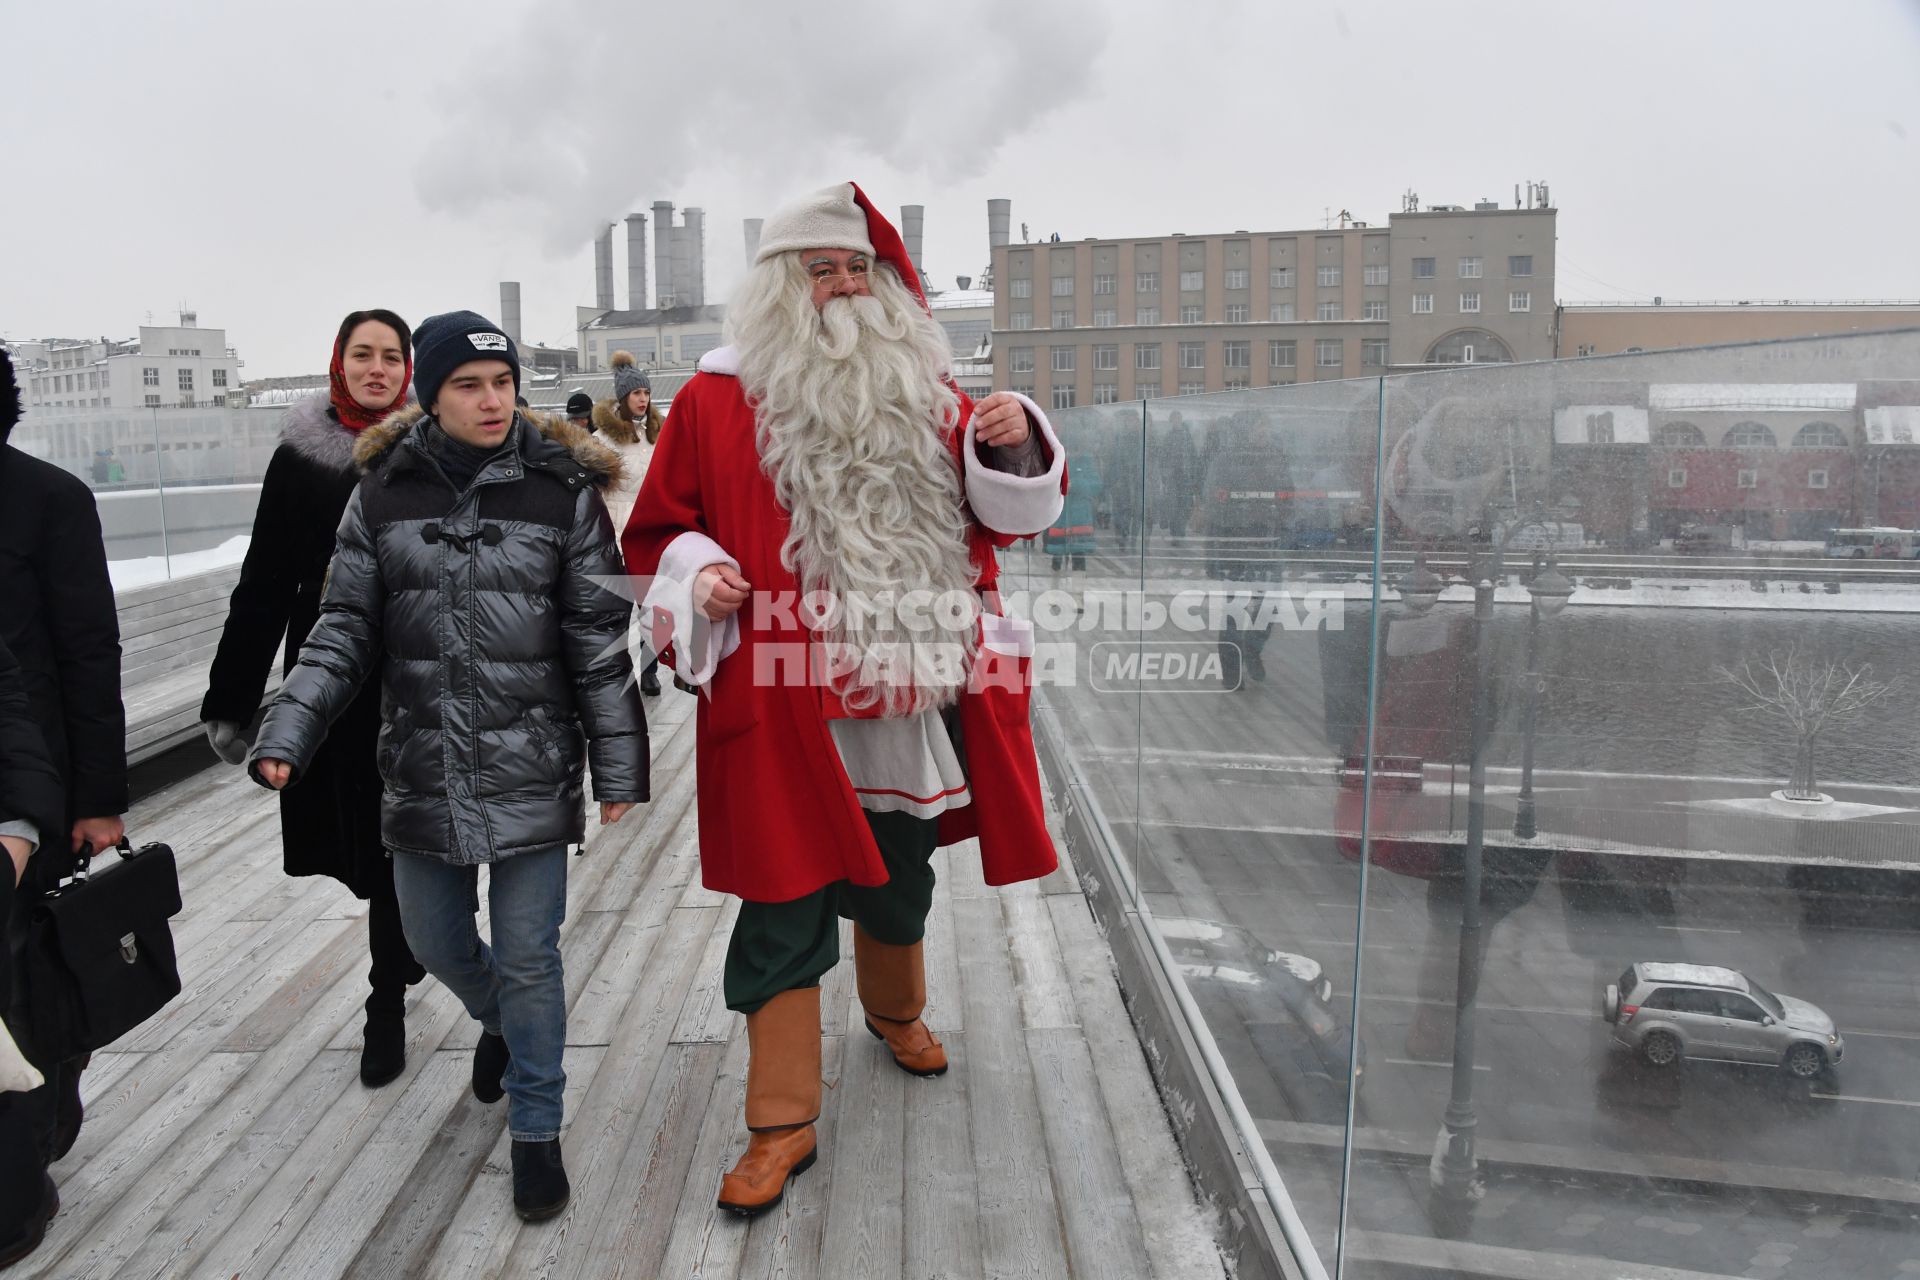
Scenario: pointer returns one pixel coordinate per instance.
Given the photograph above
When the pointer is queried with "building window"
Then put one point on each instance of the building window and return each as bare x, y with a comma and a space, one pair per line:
1193, 388
1281, 312
1106, 393
1239, 313
1280, 278
1819, 435
1327, 311
1326, 353
1422, 304
153, 401
1022, 388
1189, 315
1749, 479
1520, 264
1020, 359
186, 379
1021, 320
1679, 435
1105, 284
1326, 277
1019, 288
1146, 315
1193, 281
1373, 352
1106, 356
220, 378
1063, 319
1469, 268
1237, 355
1469, 303
1146, 355
1063, 286
1749, 435
1374, 273
150, 377
1146, 282
1237, 384
1423, 268
1063, 397
1237, 278
1586, 349
1146, 390
1193, 355
1106, 319
1816, 479
1373, 310
1676, 477
1279, 354
1520, 302
1062, 359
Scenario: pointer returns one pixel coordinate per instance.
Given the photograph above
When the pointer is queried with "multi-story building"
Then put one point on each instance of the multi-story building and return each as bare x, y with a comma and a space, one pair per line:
673, 338
167, 366
1100, 321
1609, 328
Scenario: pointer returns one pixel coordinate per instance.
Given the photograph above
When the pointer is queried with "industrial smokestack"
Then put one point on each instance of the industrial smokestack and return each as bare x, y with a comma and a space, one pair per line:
636, 262
999, 216
753, 226
913, 221
696, 278
603, 269
681, 265
663, 252
510, 309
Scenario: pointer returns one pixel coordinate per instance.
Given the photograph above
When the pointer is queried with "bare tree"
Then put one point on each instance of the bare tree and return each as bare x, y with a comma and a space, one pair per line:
1810, 696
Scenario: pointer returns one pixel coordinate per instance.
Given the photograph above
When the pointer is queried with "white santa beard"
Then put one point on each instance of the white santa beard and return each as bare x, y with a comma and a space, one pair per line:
850, 433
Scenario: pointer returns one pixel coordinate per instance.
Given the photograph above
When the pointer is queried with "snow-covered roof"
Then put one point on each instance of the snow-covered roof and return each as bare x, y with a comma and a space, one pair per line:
1751, 397
955, 298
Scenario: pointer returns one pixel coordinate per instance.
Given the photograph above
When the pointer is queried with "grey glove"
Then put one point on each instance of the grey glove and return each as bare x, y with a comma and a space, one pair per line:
224, 735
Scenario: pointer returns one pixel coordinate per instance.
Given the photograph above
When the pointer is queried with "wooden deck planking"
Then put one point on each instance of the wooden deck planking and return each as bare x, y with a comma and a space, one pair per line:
230, 1136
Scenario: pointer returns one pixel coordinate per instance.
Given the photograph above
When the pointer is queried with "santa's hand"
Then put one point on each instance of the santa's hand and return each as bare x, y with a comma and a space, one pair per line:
719, 591
1001, 420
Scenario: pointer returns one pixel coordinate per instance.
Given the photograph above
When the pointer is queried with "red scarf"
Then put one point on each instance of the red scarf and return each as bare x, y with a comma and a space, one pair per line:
353, 415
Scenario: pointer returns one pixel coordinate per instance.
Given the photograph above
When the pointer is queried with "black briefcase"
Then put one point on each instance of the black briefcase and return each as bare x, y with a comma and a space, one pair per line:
99, 958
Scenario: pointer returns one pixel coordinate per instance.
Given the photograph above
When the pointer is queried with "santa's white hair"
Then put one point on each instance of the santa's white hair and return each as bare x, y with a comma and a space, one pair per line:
855, 411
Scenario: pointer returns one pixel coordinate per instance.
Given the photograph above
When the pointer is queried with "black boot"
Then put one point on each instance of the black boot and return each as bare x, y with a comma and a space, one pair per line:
490, 1058
383, 1054
15, 1250
67, 1109
540, 1187
650, 682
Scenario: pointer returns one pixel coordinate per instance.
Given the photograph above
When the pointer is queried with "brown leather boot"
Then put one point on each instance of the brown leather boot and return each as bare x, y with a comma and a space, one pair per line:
783, 1101
893, 991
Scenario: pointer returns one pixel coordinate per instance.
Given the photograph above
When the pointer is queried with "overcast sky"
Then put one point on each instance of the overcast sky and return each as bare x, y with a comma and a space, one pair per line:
274, 167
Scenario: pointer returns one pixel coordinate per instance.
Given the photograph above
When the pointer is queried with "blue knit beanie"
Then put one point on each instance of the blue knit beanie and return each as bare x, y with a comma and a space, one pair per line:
443, 343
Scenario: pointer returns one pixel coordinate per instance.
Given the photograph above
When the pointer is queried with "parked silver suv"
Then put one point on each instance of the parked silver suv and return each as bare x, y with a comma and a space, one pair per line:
1666, 1012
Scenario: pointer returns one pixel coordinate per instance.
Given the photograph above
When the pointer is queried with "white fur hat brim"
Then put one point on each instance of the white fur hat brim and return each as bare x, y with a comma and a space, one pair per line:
827, 219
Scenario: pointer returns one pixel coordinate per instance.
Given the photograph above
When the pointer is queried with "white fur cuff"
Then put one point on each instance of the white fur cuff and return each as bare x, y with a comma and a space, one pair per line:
694, 652
1019, 505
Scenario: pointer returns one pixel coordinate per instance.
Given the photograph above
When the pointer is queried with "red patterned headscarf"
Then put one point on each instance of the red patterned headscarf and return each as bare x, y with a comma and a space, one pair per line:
353, 415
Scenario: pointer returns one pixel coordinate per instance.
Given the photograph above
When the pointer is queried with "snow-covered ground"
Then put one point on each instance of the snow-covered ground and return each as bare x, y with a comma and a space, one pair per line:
148, 570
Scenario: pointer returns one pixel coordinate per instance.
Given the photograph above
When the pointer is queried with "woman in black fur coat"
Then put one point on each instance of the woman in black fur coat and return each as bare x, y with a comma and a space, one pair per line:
330, 823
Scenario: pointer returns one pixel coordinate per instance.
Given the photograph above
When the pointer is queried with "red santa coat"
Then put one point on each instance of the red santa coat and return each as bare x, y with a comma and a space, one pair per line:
778, 815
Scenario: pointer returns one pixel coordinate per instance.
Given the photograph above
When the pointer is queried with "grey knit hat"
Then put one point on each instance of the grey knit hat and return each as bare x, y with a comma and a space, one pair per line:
628, 377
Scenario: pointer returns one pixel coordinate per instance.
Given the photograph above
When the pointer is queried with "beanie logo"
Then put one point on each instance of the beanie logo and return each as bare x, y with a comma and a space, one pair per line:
488, 341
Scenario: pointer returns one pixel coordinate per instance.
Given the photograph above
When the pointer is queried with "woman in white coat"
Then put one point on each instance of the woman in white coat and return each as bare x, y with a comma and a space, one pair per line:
630, 423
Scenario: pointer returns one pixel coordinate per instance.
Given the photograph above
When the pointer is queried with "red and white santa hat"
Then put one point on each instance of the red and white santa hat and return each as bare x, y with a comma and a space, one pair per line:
838, 217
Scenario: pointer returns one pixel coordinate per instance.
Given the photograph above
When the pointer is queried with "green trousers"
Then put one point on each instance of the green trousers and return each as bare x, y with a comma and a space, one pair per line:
783, 946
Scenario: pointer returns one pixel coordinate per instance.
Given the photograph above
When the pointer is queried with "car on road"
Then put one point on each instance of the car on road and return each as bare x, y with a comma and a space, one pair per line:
1669, 1012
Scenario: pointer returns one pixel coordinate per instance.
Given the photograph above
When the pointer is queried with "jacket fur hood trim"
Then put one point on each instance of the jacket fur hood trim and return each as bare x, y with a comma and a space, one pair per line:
601, 462
611, 423
317, 436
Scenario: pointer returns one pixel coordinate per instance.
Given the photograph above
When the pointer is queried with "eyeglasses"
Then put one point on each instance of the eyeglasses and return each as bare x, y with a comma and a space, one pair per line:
858, 275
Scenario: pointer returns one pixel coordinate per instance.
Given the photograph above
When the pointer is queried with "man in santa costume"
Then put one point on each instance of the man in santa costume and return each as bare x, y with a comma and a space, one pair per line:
819, 522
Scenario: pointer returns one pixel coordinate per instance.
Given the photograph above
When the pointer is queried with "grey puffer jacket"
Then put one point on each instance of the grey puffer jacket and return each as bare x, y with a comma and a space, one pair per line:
503, 662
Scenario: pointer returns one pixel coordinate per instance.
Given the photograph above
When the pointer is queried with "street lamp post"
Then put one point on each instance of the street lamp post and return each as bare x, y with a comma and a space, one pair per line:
1549, 590
1454, 1173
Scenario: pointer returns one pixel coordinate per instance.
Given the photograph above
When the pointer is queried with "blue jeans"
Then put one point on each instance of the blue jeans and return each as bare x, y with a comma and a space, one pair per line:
515, 987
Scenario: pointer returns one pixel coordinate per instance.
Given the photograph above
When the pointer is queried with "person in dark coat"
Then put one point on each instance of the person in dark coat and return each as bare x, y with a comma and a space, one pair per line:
329, 826
60, 623
471, 574
32, 804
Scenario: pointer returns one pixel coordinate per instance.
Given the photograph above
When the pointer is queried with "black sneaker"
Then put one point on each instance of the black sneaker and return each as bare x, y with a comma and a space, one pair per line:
540, 1187
490, 1058
383, 1054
